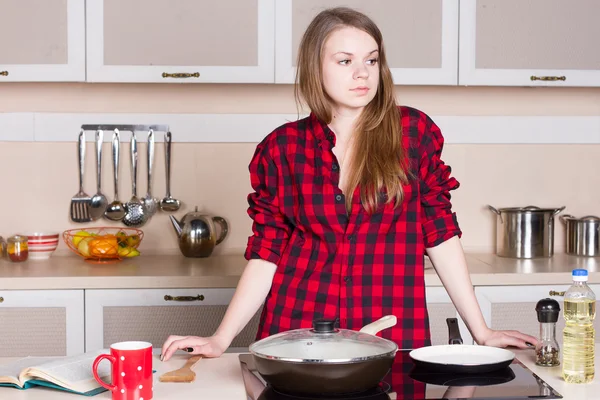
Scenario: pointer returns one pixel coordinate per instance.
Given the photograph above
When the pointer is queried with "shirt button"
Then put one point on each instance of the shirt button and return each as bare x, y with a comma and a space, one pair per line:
334, 167
351, 238
338, 197
347, 279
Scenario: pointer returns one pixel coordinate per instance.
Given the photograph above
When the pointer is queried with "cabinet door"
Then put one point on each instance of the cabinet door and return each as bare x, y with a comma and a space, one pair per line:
152, 315
41, 323
440, 307
513, 307
42, 40
529, 42
420, 37
180, 41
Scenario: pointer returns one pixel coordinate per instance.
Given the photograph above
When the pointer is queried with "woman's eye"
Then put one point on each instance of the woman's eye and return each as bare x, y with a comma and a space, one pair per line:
344, 62
372, 61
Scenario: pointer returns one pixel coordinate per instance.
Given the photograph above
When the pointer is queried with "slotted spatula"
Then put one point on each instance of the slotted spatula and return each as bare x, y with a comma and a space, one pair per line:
80, 203
183, 374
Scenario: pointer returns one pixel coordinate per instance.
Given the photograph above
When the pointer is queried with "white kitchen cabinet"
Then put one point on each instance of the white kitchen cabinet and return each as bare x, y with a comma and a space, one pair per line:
529, 43
440, 307
513, 307
42, 40
420, 37
152, 315
41, 323
226, 41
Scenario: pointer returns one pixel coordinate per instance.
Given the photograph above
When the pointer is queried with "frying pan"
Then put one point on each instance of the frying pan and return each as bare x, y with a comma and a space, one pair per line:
325, 360
459, 358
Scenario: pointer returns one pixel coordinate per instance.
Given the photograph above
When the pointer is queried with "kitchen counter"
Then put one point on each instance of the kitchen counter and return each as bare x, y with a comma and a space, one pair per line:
223, 271
221, 378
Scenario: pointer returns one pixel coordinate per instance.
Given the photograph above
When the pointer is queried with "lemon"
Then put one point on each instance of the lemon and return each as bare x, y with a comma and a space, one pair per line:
128, 252
80, 235
84, 246
133, 240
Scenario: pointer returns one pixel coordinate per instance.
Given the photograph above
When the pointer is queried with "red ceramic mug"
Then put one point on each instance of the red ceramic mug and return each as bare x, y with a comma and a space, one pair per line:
131, 370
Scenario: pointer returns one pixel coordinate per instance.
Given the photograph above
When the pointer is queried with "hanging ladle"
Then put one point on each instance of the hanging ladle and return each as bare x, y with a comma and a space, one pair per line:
115, 210
169, 204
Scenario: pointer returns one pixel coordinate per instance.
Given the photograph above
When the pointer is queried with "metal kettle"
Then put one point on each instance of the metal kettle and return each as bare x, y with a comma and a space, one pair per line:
197, 234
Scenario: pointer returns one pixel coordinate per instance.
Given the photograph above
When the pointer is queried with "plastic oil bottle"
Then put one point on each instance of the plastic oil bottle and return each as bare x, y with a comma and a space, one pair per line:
578, 336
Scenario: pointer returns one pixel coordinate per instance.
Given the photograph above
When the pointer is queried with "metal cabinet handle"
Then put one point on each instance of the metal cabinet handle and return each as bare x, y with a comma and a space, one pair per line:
200, 297
1, 299
555, 293
548, 78
3, 73
181, 75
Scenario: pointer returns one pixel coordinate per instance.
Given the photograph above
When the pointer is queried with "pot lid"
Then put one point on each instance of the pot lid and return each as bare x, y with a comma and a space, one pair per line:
590, 218
528, 209
323, 344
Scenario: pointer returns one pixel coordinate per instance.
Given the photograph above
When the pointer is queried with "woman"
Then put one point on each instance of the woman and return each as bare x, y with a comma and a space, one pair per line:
346, 203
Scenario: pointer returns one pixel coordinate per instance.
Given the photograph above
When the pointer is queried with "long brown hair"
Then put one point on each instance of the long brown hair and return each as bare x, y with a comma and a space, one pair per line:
378, 160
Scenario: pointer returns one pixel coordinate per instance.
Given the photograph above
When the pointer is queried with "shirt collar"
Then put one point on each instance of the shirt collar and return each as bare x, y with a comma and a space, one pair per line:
321, 130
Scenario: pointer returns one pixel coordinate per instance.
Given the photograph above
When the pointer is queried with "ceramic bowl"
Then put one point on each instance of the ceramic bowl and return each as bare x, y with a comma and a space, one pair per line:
41, 244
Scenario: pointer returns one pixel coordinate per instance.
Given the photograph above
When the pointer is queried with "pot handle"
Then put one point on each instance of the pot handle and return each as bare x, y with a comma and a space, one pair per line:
453, 331
495, 211
382, 323
565, 217
558, 210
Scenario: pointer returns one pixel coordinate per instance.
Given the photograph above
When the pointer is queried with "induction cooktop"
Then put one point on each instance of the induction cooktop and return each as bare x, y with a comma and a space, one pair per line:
405, 381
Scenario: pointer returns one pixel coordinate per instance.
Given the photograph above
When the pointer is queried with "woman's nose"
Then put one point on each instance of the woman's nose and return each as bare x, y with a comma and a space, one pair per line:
361, 71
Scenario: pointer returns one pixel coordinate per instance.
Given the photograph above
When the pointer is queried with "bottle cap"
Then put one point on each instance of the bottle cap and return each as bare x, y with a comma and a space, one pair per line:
547, 310
580, 275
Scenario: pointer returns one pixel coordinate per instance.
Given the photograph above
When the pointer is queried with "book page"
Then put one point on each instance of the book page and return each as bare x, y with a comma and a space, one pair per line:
74, 373
9, 373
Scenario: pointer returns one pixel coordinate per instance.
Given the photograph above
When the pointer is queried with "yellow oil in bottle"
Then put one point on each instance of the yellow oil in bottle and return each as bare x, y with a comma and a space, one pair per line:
578, 340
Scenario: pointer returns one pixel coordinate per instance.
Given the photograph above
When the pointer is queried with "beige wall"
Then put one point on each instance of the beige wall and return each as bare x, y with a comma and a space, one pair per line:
40, 178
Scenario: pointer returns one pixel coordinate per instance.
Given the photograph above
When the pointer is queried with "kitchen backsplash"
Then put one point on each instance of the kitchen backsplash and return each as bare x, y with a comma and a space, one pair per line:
38, 179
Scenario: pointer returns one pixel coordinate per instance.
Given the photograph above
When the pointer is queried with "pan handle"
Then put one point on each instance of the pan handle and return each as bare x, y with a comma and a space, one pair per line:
382, 323
453, 331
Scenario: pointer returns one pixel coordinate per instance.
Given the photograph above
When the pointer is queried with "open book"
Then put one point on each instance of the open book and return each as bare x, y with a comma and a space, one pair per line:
72, 373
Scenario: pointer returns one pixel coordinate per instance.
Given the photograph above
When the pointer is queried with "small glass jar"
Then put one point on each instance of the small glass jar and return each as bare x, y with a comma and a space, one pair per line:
2, 247
17, 248
547, 352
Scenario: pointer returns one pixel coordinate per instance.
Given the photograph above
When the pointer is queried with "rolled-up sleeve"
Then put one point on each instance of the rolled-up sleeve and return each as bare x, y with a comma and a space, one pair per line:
270, 229
439, 222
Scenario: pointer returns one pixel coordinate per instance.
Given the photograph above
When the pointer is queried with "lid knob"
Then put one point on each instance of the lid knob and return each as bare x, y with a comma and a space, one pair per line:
547, 310
324, 325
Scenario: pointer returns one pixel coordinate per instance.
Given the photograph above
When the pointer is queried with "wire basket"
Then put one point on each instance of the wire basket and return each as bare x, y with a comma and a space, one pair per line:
104, 244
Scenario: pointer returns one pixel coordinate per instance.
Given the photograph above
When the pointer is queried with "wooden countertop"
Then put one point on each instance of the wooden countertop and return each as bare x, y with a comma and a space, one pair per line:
223, 271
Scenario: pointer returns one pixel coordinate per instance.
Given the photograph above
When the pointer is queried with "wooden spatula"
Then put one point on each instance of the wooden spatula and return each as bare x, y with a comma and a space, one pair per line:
183, 374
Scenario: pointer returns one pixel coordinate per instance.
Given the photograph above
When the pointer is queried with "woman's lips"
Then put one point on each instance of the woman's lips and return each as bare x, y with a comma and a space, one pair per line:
360, 90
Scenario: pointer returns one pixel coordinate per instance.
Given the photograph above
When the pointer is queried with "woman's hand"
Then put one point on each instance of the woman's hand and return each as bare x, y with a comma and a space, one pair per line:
507, 338
209, 347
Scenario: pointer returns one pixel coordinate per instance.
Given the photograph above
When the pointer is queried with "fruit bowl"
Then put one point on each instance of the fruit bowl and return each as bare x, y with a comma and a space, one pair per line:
104, 244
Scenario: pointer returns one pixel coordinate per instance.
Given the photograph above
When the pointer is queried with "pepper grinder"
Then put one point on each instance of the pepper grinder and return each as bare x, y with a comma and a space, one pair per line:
547, 350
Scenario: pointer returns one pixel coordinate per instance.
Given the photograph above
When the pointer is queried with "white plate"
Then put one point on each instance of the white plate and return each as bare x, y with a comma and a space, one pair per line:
463, 355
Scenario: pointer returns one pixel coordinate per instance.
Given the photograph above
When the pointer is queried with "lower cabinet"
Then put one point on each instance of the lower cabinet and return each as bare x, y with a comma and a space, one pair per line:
41, 323
440, 307
513, 307
152, 315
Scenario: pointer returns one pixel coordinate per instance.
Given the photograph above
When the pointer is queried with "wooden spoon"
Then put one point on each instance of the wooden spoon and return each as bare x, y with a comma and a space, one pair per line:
183, 374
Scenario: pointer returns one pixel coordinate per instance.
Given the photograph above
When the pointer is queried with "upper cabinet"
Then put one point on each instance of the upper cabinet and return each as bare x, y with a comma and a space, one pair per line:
529, 42
225, 41
420, 37
42, 40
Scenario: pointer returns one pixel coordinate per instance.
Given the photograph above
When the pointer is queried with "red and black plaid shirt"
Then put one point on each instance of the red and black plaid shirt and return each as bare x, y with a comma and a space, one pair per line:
352, 266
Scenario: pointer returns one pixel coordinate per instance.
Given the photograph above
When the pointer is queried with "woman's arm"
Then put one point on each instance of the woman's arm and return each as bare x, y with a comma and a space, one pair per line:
449, 262
253, 287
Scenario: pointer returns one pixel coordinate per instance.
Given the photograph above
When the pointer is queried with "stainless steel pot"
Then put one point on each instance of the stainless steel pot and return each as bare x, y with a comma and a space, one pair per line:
583, 235
525, 232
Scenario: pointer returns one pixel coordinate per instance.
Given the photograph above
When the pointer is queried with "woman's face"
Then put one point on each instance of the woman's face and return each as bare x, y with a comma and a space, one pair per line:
350, 70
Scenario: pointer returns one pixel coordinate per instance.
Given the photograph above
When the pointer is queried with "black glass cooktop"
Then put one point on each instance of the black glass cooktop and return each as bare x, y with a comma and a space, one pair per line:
405, 381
